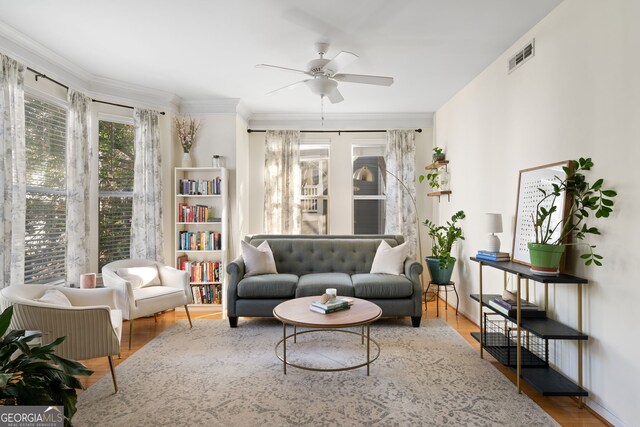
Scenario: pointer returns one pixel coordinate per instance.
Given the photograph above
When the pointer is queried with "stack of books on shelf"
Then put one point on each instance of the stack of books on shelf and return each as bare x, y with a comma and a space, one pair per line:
199, 187
331, 306
509, 308
200, 241
493, 256
197, 213
207, 294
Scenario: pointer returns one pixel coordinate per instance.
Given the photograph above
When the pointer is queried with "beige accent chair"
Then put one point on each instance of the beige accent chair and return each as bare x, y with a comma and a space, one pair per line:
174, 291
92, 325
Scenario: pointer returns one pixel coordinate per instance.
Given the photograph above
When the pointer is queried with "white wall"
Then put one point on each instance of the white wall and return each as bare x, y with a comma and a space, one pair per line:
579, 96
340, 181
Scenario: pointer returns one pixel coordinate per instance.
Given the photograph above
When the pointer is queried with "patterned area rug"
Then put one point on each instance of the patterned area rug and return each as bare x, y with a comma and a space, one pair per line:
215, 375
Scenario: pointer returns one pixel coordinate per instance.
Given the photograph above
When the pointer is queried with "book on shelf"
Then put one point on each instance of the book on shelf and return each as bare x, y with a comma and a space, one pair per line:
512, 305
199, 187
493, 256
513, 312
329, 310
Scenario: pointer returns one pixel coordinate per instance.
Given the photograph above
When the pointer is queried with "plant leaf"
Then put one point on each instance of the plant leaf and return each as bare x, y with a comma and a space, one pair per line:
5, 319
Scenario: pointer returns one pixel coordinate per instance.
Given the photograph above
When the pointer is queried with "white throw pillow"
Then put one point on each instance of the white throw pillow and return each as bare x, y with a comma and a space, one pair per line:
389, 260
258, 260
139, 277
54, 297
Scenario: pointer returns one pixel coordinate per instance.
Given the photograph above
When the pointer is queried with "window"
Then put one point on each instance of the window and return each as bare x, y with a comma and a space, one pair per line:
369, 191
45, 133
314, 167
115, 197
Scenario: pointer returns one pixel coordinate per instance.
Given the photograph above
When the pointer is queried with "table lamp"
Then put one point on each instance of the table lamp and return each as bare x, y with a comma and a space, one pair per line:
493, 224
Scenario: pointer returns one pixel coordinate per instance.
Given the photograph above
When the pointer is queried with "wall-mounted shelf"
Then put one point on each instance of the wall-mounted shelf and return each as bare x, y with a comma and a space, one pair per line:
438, 164
435, 166
440, 193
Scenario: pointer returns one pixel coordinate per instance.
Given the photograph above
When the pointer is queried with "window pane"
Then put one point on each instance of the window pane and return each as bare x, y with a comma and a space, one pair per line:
369, 189
368, 216
116, 162
45, 132
314, 165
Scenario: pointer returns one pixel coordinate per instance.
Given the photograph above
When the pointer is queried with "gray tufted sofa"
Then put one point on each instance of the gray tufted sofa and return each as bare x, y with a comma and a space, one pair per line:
308, 264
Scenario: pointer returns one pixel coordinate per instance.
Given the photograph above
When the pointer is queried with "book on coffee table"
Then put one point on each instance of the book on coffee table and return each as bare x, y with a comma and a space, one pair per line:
329, 310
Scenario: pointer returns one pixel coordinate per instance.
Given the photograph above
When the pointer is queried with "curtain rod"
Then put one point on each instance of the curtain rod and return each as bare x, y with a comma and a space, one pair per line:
44, 76
332, 131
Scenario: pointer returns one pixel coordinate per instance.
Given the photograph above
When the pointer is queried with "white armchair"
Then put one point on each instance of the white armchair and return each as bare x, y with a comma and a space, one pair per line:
92, 325
135, 302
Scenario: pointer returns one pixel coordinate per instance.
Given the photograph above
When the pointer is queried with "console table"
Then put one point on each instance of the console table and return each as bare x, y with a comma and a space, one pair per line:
531, 358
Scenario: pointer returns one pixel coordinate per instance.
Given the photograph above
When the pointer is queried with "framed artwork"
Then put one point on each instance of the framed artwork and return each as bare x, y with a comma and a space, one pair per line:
529, 195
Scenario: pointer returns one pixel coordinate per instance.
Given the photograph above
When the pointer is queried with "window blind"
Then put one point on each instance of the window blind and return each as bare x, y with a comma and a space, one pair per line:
116, 162
45, 133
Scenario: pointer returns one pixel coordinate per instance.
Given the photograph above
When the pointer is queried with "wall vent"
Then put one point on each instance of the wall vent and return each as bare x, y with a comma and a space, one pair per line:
523, 55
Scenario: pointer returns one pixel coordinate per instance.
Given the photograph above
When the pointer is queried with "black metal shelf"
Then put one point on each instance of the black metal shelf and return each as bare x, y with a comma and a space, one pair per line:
541, 377
525, 272
542, 327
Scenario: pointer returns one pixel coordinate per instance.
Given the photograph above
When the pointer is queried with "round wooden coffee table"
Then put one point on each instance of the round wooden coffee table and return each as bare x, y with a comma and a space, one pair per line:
296, 312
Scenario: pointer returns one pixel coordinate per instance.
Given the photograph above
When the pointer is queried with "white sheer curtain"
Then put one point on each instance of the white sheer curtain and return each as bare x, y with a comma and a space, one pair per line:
282, 214
146, 219
78, 159
12, 175
400, 204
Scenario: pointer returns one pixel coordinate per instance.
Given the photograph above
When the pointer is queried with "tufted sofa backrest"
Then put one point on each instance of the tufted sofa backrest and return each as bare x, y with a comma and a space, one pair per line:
306, 254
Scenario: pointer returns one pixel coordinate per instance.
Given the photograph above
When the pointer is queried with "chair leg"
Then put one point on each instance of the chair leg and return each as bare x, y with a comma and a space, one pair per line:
188, 315
113, 374
130, 332
155, 317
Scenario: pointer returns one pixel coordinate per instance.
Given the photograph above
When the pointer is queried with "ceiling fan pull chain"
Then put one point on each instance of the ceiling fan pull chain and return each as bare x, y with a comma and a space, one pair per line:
322, 110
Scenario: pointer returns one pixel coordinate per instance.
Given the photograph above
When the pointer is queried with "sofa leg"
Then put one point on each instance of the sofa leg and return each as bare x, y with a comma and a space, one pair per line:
233, 321
415, 321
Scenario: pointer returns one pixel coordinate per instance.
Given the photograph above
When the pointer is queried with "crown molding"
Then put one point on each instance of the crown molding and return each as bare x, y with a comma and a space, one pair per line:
311, 121
215, 106
34, 55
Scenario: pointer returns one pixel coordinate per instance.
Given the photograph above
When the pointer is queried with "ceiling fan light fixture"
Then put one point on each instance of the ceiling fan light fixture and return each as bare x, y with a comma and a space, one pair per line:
322, 85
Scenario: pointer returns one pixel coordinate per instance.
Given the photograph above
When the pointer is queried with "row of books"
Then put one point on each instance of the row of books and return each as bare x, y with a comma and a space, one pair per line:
197, 213
331, 306
200, 241
197, 187
509, 308
493, 256
207, 294
201, 271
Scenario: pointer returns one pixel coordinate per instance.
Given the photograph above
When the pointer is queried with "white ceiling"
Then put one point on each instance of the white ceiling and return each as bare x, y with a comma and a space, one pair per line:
202, 50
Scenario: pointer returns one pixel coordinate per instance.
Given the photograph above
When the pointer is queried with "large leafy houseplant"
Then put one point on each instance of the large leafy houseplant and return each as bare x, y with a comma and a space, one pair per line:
583, 198
33, 375
443, 237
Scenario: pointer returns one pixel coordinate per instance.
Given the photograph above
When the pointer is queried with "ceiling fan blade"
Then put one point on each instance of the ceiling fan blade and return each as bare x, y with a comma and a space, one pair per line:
288, 87
339, 61
364, 79
335, 96
275, 67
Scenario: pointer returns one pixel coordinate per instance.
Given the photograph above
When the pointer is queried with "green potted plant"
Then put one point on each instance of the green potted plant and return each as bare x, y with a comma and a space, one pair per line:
432, 179
33, 375
583, 197
441, 263
438, 154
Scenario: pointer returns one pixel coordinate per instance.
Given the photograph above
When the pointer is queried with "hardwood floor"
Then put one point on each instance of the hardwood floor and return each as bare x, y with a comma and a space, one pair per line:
563, 409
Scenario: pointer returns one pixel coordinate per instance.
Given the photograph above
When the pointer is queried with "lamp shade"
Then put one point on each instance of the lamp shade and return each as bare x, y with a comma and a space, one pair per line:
493, 223
363, 174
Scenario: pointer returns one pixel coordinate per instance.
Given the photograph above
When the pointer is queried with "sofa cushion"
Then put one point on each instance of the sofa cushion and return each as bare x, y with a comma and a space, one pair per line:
371, 286
268, 286
389, 260
54, 297
317, 283
140, 277
258, 260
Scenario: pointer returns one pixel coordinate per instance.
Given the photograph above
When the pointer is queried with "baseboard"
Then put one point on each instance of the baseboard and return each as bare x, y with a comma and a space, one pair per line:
602, 413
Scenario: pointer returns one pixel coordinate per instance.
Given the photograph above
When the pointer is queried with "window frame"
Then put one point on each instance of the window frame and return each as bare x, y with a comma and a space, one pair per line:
319, 144
112, 118
364, 144
39, 95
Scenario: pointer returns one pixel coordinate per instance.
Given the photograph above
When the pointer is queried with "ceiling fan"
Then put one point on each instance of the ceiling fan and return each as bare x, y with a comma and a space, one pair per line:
325, 76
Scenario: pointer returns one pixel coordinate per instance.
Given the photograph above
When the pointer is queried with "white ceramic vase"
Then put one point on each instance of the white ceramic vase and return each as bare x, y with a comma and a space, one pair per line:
186, 160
